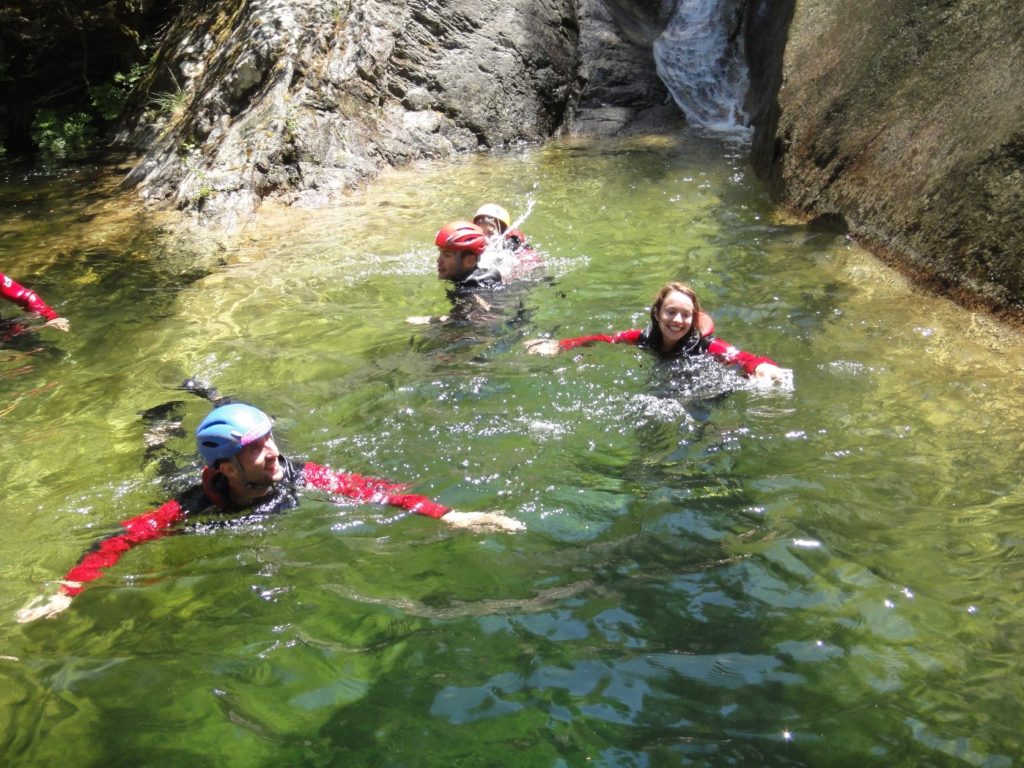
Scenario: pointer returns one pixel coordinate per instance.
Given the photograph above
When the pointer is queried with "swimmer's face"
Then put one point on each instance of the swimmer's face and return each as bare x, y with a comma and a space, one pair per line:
675, 317
489, 224
452, 264
258, 463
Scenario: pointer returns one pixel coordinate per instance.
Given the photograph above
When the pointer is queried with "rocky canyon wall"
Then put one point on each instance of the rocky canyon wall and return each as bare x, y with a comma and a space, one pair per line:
905, 121
300, 100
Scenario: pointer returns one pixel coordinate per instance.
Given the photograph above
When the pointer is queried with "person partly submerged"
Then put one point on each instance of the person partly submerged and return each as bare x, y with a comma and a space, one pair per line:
459, 247
678, 329
245, 474
507, 247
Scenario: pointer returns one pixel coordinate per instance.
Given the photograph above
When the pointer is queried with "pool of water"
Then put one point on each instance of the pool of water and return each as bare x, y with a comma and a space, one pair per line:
827, 576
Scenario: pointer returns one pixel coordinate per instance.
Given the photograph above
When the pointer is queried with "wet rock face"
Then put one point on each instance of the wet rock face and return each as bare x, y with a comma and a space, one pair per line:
906, 119
620, 88
301, 99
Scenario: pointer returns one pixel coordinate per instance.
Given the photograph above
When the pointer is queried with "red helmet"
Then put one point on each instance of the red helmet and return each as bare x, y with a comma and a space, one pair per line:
461, 236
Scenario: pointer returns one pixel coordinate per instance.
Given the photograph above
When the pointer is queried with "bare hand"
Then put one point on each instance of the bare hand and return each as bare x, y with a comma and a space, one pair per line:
60, 323
483, 521
43, 608
425, 319
546, 347
769, 374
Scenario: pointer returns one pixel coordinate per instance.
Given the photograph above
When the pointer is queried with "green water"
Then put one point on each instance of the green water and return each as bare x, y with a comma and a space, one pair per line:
829, 576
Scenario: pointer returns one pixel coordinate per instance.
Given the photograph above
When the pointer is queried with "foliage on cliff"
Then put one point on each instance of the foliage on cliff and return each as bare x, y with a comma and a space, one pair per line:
65, 68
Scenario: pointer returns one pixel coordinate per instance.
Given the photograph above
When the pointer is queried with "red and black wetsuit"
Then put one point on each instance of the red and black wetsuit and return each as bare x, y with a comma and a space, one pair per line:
695, 343
24, 298
212, 497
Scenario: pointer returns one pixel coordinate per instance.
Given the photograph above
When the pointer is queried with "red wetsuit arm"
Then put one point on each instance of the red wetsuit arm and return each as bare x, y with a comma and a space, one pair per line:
24, 298
731, 355
144, 527
622, 337
370, 489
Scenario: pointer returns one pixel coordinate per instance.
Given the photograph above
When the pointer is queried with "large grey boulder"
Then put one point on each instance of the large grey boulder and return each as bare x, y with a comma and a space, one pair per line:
905, 120
301, 99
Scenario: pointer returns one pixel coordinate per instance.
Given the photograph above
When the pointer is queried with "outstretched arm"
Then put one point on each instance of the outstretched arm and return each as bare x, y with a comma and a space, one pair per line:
761, 368
30, 302
551, 347
377, 491
106, 553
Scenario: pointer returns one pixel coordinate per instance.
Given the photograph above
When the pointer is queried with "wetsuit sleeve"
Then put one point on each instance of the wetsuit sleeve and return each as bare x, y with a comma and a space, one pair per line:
731, 355
622, 337
150, 525
370, 489
24, 298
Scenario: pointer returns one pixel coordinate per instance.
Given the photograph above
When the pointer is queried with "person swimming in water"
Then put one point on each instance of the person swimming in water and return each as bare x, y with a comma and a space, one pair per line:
459, 247
507, 248
678, 329
495, 221
245, 474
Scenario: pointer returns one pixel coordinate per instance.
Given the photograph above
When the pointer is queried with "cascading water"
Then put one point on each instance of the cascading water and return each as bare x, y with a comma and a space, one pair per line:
702, 65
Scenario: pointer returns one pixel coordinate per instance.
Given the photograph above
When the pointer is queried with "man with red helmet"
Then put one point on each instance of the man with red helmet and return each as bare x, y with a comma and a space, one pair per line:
459, 247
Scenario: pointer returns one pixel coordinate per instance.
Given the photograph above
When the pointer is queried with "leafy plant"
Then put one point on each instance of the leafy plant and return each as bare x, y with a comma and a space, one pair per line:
62, 136
109, 99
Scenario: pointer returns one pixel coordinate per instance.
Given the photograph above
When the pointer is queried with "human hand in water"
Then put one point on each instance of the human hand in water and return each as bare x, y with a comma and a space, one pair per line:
483, 521
769, 374
60, 323
43, 608
425, 319
546, 347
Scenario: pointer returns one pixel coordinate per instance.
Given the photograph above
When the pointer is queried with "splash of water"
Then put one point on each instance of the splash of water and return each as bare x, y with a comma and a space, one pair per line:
497, 256
703, 68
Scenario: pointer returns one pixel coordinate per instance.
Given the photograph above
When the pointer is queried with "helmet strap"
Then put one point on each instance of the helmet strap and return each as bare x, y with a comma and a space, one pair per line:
246, 482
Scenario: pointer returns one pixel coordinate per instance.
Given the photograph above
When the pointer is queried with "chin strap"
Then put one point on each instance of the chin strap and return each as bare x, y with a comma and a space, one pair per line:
245, 481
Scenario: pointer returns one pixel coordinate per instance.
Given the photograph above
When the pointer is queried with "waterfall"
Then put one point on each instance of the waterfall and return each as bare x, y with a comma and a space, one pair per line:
702, 67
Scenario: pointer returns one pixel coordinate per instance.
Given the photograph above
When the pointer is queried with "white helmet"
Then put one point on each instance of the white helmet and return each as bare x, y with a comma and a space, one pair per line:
495, 212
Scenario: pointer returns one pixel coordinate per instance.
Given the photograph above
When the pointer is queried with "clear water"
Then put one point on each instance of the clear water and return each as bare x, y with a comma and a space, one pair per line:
830, 576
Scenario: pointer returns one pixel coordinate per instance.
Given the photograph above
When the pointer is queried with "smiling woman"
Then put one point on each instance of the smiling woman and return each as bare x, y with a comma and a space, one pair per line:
673, 333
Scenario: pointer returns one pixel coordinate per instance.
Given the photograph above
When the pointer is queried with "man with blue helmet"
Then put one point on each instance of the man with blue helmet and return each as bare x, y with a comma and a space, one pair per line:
245, 472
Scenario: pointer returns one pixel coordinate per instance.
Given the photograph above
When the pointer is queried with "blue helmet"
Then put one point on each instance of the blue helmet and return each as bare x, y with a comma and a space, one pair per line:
229, 428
